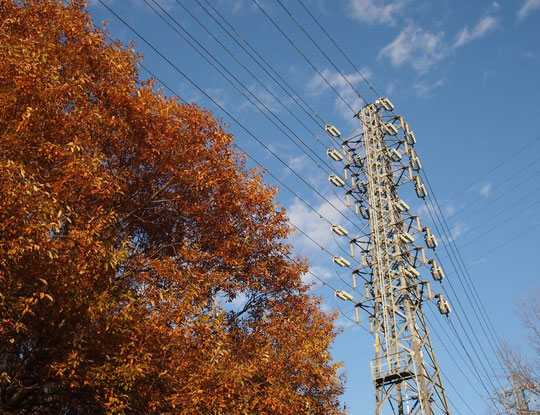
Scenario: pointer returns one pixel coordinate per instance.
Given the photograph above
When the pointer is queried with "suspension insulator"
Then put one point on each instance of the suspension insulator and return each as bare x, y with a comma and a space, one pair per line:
339, 230
336, 155
336, 180
342, 262
333, 131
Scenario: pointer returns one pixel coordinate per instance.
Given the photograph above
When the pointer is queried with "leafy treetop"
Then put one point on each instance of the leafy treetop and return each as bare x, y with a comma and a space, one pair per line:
129, 229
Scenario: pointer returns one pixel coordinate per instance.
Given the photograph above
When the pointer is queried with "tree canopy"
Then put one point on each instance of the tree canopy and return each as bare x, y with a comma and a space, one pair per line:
129, 226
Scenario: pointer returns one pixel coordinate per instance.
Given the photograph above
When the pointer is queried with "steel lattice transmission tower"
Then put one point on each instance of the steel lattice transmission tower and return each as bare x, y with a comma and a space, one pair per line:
405, 373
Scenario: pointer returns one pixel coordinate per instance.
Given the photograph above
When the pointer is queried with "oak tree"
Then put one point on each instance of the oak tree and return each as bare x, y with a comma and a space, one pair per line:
129, 226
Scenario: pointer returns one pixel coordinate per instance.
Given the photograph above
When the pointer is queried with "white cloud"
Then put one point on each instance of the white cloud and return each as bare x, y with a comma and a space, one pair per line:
317, 274
264, 99
422, 49
376, 11
426, 207
344, 322
485, 190
425, 89
390, 88
528, 7
415, 46
477, 261
316, 228
241, 6
458, 230
449, 210
219, 95
466, 35
298, 163
317, 86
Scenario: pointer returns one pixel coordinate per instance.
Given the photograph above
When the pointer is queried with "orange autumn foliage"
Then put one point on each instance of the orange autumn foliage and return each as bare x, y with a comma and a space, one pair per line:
128, 225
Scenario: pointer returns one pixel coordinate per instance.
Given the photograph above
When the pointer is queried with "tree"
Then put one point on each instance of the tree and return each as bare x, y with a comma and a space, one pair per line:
129, 226
521, 368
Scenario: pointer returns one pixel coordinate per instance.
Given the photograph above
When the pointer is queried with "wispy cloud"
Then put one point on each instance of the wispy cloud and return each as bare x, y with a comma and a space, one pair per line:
376, 11
426, 89
316, 228
426, 207
484, 25
321, 272
317, 86
241, 6
422, 49
298, 163
220, 95
390, 88
477, 261
449, 210
264, 99
485, 190
528, 7
417, 47
458, 230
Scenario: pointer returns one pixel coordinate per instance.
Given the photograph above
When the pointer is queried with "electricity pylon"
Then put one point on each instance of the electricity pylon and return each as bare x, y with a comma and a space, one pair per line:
405, 373
520, 400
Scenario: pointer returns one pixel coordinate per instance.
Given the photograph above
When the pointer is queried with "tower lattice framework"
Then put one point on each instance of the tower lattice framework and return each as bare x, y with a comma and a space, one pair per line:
405, 373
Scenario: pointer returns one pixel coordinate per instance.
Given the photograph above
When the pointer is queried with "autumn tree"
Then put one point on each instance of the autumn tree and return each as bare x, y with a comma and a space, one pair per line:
129, 226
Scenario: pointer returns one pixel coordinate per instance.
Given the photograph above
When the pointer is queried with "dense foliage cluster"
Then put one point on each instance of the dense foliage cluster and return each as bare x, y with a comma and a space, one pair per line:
128, 224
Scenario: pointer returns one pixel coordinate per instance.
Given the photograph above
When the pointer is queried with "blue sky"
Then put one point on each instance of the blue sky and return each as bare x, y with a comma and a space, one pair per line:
464, 74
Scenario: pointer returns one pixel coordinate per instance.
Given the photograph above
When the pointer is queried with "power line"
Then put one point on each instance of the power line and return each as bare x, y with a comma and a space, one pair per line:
499, 224
483, 314
466, 276
313, 114
454, 254
353, 88
330, 136
242, 126
296, 195
262, 59
498, 186
257, 79
494, 168
476, 339
304, 56
340, 50
471, 287
324, 54
469, 231
458, 255
458, 301
463, 327
467, 353
369, 84
443, 344
356, 68
505, 243
325, 283
237, 80
186, 77
262, 112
